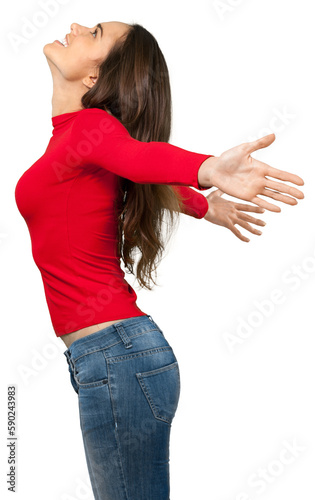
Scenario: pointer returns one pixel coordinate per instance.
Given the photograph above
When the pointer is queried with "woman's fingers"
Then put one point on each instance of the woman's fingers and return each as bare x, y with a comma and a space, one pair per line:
278, 196
285, 176
249, 208
282, 175
238, 233
250, 219
265, 204
284, 188
247, 226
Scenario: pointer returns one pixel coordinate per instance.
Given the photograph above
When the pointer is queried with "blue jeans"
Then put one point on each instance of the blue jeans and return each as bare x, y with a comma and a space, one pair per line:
128, 384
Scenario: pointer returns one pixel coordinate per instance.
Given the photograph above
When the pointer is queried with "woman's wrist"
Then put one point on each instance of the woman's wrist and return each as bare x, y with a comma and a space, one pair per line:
206, 172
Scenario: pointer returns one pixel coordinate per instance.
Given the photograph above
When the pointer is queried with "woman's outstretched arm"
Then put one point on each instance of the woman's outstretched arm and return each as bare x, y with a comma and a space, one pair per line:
100, 139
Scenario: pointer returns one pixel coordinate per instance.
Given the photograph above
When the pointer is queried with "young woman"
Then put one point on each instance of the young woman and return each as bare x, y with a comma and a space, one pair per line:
100, 192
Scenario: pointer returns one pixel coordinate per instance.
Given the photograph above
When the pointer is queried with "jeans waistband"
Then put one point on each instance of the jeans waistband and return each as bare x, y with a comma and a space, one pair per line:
122, 330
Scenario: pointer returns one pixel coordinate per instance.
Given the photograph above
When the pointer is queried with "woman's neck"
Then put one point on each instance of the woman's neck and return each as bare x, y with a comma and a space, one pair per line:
65, 100
67, 95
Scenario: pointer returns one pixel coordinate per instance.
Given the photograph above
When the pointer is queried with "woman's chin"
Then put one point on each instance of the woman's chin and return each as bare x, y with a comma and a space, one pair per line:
50, 52
48, 48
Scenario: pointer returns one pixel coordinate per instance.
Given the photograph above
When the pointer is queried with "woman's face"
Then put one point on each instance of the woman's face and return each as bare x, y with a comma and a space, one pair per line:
85, 49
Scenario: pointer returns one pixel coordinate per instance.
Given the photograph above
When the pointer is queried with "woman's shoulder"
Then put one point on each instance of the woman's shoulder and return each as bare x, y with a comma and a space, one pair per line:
99, 118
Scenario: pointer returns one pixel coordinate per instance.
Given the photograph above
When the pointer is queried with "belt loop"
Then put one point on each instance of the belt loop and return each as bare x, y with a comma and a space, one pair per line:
69, 360
124, 337
66, 353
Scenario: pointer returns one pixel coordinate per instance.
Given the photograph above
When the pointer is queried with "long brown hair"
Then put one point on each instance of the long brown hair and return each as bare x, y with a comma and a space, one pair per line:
133, 85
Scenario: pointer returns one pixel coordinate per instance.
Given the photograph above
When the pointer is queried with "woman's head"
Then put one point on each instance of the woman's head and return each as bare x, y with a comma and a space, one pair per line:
84, 50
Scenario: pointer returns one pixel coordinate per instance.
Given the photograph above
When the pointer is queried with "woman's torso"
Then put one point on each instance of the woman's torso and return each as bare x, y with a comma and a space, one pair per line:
70, 205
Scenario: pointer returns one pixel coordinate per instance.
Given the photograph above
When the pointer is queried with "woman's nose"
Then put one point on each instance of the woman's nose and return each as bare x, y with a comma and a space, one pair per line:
76, 29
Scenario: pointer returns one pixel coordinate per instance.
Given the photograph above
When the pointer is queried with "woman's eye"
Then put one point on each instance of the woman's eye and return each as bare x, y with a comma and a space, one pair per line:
94, 32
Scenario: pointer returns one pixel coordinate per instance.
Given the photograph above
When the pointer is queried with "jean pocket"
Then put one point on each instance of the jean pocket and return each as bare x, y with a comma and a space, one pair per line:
90, 370
161, 388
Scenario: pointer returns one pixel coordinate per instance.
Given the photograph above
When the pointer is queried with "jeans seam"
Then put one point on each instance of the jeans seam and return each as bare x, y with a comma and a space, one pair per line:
147, 352
115, 430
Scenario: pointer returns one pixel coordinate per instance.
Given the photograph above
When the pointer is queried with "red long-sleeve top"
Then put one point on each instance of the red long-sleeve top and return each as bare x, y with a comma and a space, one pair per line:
68, 199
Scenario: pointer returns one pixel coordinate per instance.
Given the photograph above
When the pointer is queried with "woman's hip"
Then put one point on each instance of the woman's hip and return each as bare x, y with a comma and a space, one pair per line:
131, 361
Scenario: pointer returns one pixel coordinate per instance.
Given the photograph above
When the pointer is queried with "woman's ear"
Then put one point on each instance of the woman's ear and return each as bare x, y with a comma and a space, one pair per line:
89, 81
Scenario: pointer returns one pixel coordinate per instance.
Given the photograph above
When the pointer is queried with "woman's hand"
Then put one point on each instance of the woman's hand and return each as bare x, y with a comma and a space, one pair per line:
227, 213
237, 174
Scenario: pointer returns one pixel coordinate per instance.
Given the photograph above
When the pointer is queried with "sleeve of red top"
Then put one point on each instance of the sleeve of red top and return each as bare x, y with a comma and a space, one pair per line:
195, 204
100, 139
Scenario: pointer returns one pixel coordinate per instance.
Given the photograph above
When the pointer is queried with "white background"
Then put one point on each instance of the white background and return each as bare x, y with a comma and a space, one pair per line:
239, 70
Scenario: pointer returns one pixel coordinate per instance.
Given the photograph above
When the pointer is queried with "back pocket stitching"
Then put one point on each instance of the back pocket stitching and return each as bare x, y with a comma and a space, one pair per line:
104, 381
140, 376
